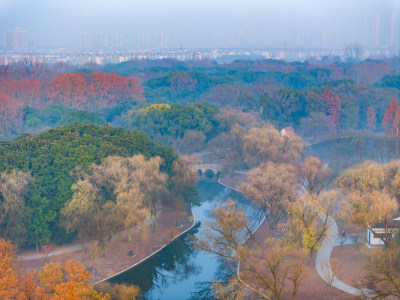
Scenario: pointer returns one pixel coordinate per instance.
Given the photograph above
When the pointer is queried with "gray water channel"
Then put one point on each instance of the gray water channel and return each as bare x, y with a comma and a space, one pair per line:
180, 271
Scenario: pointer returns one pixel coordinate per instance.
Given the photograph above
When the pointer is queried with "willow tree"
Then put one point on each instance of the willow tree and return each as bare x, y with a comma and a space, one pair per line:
268, 144
310, 218
373, 210
183, 181
272, 269
272, 187
362, 179
115, 195
78, 213
382, 269
370, 191
133, 182
13, 211
313, 175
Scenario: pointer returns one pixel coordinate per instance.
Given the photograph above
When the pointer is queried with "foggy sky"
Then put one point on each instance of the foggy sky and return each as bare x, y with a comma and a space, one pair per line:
207, 23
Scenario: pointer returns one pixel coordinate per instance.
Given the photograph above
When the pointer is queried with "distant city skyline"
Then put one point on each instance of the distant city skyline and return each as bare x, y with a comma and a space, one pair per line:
192, 24
18, 41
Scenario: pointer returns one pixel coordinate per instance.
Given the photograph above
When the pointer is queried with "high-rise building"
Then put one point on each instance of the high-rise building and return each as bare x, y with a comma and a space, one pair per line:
31, 43
100, 41
377, 30
115, 40
143, 40
84, 41
162, 40
394, 30
17, 40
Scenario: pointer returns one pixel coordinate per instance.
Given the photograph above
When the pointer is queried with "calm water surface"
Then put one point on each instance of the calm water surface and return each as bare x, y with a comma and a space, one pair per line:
180, 271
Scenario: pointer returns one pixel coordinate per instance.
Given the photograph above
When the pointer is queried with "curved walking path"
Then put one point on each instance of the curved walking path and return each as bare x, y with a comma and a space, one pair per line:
323, 266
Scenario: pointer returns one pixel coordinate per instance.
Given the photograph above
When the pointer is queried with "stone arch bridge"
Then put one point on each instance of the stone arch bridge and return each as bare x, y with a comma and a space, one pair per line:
209, 172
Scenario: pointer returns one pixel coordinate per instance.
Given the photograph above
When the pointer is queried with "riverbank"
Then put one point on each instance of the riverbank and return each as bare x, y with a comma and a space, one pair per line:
122, 254
181, 271
233, 181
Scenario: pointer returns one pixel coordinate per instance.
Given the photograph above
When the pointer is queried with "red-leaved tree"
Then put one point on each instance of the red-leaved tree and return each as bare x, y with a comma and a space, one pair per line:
10, 114
391, 119
68, 89
332, 100
107, 90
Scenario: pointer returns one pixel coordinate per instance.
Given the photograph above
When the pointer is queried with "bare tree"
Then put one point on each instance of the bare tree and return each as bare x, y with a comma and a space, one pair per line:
277, 272
226, 234
32, 65
313, 175
354, 52
383, 272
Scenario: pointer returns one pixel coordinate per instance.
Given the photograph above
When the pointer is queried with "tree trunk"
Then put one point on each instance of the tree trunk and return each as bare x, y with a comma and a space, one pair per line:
129, 235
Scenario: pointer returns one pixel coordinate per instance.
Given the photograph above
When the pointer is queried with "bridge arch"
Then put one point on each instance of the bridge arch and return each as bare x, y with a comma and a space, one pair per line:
208, 172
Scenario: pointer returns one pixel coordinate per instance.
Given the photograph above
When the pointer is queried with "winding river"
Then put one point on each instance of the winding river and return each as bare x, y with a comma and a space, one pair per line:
180, 271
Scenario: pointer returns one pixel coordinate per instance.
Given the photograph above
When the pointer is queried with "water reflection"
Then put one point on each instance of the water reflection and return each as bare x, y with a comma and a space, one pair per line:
180, 271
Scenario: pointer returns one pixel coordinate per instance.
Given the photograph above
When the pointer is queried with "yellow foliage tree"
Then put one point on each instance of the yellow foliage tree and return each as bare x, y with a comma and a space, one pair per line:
374, 208
310, 218
362, 179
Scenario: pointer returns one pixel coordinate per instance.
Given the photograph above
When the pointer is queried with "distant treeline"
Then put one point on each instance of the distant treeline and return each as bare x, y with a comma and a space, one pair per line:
85, 91
317, 99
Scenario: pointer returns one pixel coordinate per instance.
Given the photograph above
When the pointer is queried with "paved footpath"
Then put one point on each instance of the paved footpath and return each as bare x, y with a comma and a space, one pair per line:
323, 265
64, 250
74, 247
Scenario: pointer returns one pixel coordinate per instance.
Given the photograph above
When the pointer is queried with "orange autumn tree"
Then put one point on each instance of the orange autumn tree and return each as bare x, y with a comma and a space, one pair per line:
70, 281
54, 281
13, 284
8, 275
